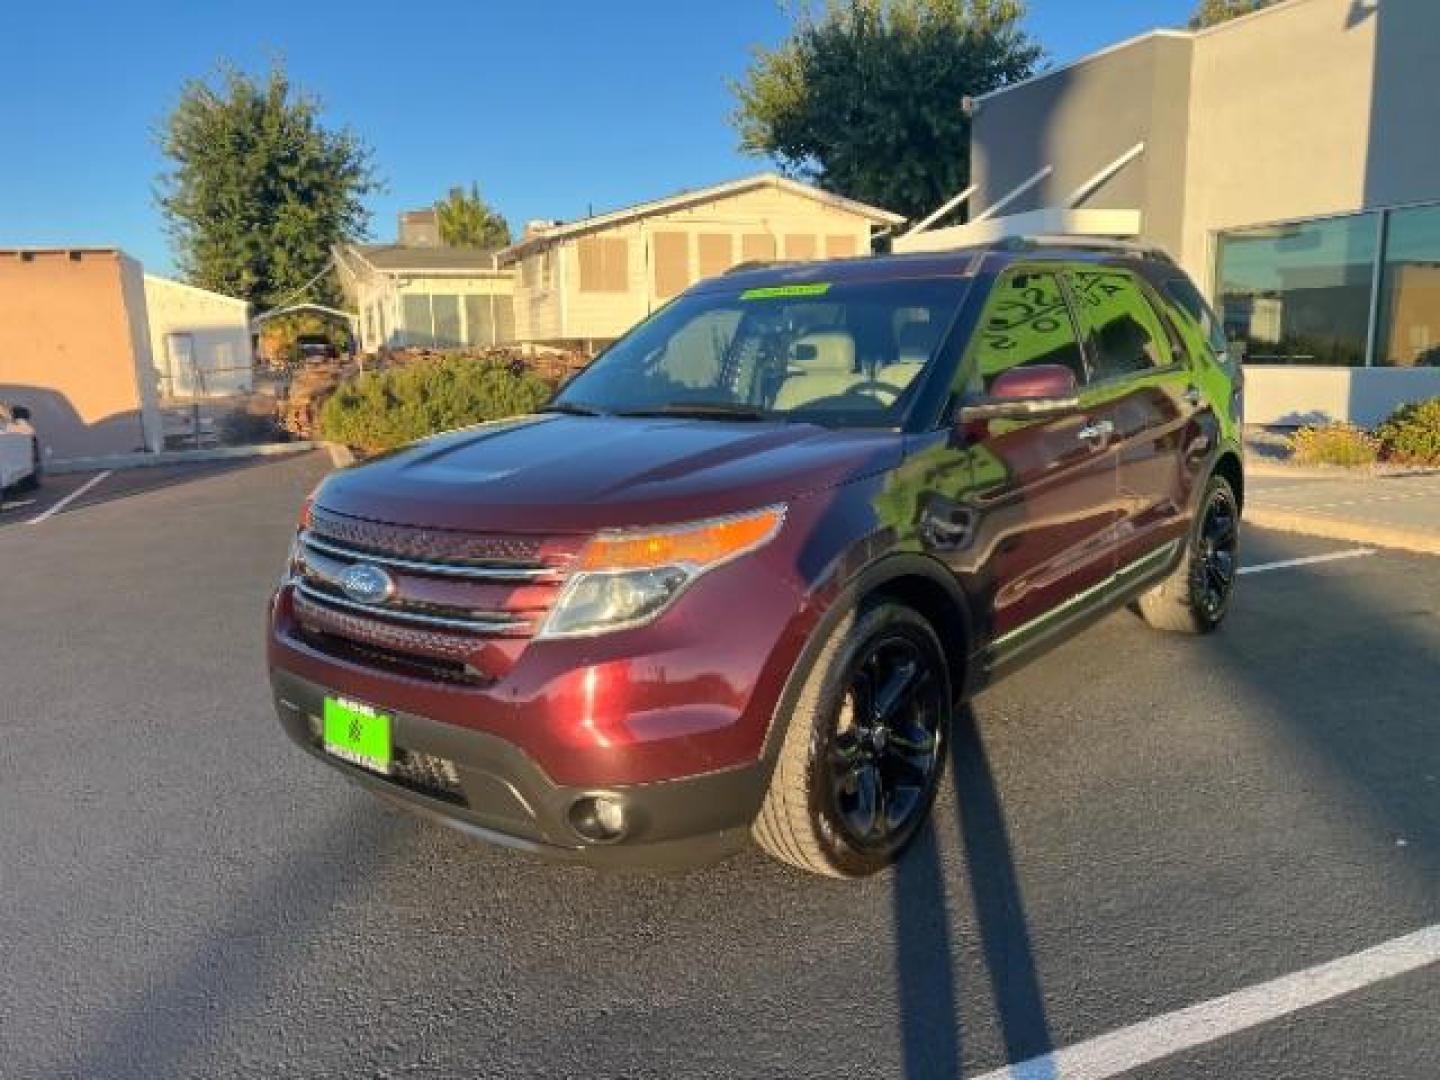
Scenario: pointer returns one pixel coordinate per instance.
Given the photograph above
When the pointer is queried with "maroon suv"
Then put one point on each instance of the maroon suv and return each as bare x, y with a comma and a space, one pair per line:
733, 581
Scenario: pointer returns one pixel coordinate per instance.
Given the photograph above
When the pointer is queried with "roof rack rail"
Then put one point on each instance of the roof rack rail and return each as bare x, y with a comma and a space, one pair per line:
1082, 243
760, 264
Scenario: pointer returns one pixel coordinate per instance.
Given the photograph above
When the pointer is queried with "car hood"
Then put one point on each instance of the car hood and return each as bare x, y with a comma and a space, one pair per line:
554, 473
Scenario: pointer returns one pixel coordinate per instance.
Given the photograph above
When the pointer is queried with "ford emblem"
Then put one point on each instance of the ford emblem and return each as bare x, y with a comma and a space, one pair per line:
366, 584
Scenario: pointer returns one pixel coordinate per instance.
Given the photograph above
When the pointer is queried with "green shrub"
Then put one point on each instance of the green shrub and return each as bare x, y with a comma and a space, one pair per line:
1411, 435
1334, 444
380, 410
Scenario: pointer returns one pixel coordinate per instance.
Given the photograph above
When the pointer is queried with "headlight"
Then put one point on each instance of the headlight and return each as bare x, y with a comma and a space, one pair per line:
625, 578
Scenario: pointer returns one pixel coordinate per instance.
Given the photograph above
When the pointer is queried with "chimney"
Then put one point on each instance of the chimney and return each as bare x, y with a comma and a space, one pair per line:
539, 227
419, 229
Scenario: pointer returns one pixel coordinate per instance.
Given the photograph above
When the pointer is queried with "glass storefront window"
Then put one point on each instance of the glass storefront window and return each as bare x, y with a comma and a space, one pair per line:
1410, 290
1300, 294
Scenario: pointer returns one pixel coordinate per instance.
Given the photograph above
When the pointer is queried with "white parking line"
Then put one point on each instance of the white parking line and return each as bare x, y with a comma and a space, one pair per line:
1354, 553
68, 499
15, 504
1150, 1040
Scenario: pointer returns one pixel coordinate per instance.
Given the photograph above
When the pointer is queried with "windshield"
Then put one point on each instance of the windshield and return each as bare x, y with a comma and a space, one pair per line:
844, 355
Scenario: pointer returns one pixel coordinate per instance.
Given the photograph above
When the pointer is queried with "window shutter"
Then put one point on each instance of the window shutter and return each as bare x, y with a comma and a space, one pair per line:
799, 246
840, 246
716, 252
757, 247
672, 262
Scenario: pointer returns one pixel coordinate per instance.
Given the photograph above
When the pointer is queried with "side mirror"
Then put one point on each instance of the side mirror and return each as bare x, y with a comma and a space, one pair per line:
20, 412
1025, 393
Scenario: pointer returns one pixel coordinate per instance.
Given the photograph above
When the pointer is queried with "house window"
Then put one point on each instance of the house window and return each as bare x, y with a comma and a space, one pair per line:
841, 247
715, 252
536, 270
480, 320
757, 247
1300, 293
799, 246
672, 263
504, 307
415, 320
603, 264
446, 312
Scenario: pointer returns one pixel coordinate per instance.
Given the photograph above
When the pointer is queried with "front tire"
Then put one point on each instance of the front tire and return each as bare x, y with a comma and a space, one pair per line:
1196, 597
865, 748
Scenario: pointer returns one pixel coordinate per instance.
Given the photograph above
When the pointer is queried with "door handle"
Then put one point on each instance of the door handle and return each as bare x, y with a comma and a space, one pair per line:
1100, 429
1192, 397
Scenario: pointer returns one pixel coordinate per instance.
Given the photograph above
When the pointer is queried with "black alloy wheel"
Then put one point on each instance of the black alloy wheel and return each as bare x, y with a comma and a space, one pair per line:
884, 756
1213, 578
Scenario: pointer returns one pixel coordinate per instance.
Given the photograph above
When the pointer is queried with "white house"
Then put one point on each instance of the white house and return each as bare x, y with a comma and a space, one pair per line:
200, 340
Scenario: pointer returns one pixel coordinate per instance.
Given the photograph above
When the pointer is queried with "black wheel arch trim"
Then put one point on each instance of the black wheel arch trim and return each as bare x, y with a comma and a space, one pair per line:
869, 581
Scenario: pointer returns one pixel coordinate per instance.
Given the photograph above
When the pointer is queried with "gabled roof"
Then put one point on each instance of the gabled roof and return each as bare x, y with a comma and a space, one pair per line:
291, 309
395, 259
209, 294
693, 198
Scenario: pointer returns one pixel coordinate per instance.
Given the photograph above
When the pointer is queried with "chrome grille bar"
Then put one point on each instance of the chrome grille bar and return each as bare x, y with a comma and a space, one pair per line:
439, 569
415, 618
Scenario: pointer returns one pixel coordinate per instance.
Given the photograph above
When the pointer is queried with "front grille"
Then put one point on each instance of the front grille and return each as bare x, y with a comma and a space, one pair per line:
426, 545
427, 773
395, 661
451, 595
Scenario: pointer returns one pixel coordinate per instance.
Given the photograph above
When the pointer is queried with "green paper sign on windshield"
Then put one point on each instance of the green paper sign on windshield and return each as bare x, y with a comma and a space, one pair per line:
785, 292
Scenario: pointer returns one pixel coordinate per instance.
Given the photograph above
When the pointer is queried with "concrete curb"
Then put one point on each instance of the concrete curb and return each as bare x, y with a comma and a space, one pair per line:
1334, 472
340, 454
1333, 528
175, 457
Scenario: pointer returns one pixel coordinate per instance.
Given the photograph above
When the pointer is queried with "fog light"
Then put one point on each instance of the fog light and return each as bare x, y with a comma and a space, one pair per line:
599, 818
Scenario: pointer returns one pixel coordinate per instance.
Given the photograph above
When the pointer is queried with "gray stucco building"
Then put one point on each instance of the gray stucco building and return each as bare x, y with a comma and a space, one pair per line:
1290, 160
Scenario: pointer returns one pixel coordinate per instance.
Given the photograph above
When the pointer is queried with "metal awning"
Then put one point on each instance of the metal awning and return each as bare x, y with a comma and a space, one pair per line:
987, 227
1051, 221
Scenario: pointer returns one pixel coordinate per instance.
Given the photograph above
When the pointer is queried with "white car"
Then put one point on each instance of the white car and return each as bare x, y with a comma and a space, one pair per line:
19, 449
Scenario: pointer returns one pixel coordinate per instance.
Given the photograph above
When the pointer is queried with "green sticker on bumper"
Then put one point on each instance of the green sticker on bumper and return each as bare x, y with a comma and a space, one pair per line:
358, 734
781, 292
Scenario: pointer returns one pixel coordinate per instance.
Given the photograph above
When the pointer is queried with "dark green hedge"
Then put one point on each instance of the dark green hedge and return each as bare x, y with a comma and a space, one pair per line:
380, 410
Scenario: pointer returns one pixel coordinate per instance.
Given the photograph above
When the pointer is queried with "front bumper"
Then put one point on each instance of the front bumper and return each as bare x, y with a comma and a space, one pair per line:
502, 796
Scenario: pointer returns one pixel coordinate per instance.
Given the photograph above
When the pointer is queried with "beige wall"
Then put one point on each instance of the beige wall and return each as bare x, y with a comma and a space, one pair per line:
218, 329
1280, 121
550, 305
74, 348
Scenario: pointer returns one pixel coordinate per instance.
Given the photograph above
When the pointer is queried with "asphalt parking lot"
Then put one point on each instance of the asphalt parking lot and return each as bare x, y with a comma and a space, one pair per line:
1137, 825
68, 492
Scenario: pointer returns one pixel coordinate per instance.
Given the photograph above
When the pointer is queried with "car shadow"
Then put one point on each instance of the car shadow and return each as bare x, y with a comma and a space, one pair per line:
21, 508
929, 998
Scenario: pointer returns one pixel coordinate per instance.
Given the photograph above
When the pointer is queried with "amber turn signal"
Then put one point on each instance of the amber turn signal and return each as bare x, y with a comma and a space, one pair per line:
694, 546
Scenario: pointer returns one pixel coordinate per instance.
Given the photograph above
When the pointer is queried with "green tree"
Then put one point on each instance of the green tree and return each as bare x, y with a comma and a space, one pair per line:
260, 189
1211, 12
467, 221
865, 96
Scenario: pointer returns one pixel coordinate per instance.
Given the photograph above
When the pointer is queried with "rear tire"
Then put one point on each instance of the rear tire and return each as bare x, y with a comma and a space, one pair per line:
32, 482
865, 748
1196, 597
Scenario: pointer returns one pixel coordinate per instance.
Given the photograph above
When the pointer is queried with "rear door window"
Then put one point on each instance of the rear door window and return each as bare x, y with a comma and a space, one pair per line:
1125, 333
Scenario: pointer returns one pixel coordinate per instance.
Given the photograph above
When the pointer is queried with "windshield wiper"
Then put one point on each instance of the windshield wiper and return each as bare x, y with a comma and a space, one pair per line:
701, 410
571, 408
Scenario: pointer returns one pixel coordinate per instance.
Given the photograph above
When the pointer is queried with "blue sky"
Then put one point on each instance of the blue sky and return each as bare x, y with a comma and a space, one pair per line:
553, 106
